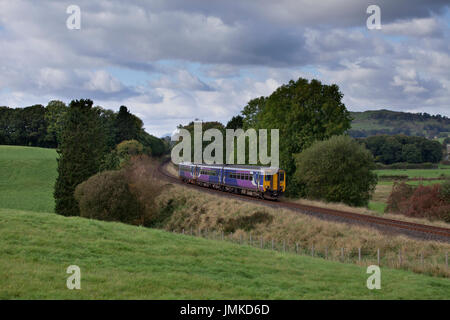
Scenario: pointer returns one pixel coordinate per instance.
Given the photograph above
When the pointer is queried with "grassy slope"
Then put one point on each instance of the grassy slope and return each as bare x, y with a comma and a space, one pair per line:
122, 261
27, 177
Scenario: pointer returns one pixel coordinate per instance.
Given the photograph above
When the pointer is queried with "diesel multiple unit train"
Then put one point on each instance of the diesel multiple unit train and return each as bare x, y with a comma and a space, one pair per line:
264, 182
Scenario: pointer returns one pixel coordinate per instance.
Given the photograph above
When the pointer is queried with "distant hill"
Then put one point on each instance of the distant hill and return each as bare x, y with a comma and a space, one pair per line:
369, 123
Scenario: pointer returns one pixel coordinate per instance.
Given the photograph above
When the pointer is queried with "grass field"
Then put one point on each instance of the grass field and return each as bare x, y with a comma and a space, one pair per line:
415, 173
27, 178
119, 261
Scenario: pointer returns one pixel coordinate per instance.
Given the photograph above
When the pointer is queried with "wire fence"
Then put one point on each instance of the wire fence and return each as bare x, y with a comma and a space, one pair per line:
402, 259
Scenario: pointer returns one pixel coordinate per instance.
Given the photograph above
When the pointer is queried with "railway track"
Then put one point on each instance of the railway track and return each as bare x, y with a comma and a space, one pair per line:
415, 230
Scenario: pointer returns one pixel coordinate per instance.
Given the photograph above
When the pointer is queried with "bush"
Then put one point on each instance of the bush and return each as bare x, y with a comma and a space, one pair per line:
129, 148
406, 165
127, 195
107, 196
337, 170
401, 192
423, 201
445, 191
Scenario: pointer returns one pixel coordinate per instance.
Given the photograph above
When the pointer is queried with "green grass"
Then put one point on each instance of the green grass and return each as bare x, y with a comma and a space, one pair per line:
120, 261
413, 183
377, 206
414, 173
27, 177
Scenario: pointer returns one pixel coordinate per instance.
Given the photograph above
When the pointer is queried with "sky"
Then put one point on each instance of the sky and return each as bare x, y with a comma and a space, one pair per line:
173, 61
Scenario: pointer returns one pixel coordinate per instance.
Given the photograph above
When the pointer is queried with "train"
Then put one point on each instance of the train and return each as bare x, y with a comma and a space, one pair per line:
262, 182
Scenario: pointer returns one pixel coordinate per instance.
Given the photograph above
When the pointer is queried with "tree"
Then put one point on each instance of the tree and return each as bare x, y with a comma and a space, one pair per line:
304, 112
337, 170
127, 125
237, 122
54, 117
81, 149
411, 153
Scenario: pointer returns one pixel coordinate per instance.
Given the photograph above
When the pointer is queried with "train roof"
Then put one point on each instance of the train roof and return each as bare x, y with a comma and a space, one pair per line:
268, 170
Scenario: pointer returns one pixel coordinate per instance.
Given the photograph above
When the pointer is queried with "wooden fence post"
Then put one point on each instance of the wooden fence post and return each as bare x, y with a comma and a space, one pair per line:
446, 260
421, 259
378, 256
191, 231
284, 245
342, 254
262, 242
250, 239
359, 255
296, 247
326, 252
183, 231
272, 244
312, 250
400, 257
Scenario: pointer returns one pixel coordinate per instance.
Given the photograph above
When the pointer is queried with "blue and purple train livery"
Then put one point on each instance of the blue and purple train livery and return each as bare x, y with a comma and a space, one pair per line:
266, 182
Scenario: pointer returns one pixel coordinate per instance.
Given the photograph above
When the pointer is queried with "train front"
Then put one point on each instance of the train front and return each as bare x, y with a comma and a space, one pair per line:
274, 183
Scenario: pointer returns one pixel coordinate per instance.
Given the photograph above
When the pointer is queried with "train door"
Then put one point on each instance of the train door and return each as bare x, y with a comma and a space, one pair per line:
275, 182
268, 181
196, 172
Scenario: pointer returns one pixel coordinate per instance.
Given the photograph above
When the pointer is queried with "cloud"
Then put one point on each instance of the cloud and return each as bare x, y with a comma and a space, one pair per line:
196, 60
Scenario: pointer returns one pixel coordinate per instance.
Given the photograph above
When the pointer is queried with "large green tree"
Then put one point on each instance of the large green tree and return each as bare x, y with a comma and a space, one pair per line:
81, 149
128, 126
54, 116
337, 170
304, 111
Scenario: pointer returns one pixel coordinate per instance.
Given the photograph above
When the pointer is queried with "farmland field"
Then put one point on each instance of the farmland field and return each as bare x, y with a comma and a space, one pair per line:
27, 178
415, 173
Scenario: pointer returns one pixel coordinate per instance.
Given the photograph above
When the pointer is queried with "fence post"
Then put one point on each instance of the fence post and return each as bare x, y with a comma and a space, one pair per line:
272, 244
199, 232
400, 257
342, 254
240, 239
284, 245
378, 256
446, 260
312, 250
421, 259
262, 242
191, 231
359, 255
250, 239
183, 231
296, 247
326, 252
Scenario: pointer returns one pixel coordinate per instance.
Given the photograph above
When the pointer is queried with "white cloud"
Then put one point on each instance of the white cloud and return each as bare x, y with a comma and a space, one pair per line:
208, 60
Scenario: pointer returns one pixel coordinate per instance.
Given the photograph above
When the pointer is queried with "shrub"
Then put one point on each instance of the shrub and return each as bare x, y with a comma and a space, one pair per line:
107, 196
337, 170
423, 201
129, 148
406, 165
445, 190
127, 195
141, 175
400, 193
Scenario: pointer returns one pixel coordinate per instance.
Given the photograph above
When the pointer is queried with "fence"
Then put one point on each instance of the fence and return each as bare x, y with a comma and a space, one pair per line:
400, 260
